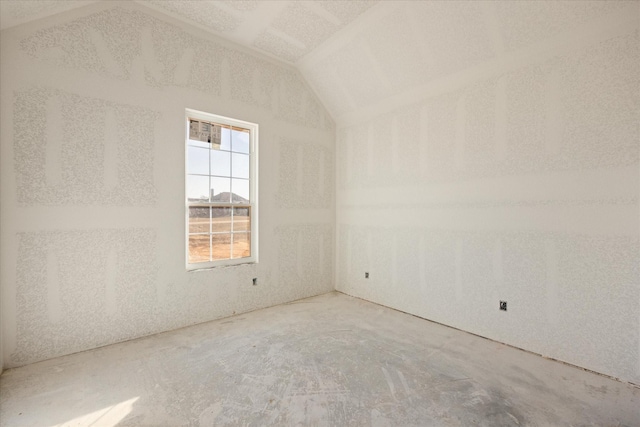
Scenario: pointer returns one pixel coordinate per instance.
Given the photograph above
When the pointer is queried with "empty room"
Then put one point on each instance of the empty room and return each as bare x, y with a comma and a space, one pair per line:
319, 213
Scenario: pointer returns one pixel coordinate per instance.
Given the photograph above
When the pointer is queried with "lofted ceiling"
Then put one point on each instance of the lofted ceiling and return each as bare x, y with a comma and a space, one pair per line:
403, 51
284, 29
361, 54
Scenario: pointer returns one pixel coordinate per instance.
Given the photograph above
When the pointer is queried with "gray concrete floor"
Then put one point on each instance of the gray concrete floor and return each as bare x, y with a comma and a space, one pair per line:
327, 360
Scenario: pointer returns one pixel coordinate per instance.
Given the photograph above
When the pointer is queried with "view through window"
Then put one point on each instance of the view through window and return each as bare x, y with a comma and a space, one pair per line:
221, 190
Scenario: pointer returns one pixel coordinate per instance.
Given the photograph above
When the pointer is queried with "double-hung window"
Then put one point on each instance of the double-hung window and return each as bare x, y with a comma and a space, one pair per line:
221, 191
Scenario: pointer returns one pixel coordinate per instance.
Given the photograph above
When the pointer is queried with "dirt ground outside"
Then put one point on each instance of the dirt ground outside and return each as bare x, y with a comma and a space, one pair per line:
217, 243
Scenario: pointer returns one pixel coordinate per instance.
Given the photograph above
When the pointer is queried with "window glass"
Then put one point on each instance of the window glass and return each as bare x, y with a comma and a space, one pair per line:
221, 246
199, 219
197, 188
240, 165
220, 191
195, 143
241, 245
240, 141
226, 138
199, 248
198, 161
221, 220
241, 219
220, 163
240, 189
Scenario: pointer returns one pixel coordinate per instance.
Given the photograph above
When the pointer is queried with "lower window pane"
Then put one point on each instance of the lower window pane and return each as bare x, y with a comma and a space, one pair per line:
220, 220
241, 245
241, 219
199, 248
221, 246
199, 220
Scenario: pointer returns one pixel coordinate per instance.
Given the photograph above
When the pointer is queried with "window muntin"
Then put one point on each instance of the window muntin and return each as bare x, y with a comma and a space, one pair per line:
221, 191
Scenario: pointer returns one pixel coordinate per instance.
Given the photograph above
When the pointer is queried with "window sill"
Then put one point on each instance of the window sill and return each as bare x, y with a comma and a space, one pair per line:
193, 268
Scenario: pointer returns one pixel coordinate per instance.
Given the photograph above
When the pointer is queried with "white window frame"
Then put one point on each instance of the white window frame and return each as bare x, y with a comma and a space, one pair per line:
253, 189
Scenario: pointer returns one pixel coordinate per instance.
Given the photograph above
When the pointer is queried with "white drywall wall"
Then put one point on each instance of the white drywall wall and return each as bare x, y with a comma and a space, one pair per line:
92, 175
489, 151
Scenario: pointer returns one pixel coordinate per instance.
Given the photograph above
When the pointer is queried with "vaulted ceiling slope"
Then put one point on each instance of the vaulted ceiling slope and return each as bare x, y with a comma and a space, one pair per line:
414, 49
361, 56
286, 30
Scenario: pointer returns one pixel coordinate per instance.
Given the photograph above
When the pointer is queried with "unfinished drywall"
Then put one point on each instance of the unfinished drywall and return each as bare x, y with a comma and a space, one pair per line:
490, 153
92, 132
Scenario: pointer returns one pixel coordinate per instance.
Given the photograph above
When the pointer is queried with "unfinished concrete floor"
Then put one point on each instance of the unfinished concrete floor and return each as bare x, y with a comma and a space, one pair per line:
328, 360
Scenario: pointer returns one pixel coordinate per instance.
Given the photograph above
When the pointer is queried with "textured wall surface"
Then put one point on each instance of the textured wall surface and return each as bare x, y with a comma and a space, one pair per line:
92, 164
485, 151
492, 153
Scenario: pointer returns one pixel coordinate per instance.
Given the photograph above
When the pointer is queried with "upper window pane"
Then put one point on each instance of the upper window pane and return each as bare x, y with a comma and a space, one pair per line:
226, 138
220, 189
240, 165
220, 163
240, 141
202, 144
198, 188
198, 161
240, 190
